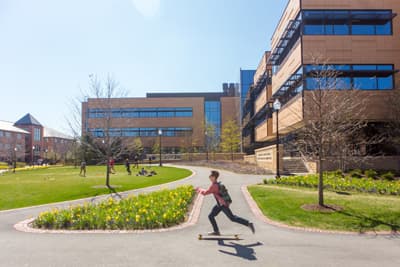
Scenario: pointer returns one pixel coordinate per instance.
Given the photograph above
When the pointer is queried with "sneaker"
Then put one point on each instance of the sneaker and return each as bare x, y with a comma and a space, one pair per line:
251, 226
213, 233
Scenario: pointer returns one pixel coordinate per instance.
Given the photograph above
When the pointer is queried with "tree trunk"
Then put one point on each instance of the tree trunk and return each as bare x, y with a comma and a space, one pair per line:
108, 176
321, 183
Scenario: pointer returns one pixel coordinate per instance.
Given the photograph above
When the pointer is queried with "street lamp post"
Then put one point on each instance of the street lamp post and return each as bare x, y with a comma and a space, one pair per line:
277, 107
160, 134
45, 152
33, 155
15, 159
206, 146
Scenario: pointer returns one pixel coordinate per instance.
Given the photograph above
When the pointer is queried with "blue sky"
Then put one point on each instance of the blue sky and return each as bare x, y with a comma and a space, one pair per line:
49, 48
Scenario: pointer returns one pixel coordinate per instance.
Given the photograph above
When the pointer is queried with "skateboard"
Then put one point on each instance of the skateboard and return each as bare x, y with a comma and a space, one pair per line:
218, 237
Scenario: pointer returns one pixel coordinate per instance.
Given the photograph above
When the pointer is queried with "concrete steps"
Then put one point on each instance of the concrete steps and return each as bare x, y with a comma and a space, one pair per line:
294, 165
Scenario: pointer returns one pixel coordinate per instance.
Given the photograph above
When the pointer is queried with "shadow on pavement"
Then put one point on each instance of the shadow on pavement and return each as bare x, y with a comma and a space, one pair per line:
366, 222
243, 251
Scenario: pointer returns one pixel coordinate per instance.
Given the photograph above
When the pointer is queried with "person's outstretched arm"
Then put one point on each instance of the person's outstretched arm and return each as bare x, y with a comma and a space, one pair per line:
211, 190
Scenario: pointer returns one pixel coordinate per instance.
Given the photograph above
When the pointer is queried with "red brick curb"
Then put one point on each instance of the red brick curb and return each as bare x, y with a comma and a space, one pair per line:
259, 215
26, 225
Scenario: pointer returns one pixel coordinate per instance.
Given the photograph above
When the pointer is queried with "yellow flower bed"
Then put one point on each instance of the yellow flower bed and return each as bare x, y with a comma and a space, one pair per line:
146, 211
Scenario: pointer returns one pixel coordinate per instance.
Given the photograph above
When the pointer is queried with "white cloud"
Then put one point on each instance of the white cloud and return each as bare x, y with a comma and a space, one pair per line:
148, 8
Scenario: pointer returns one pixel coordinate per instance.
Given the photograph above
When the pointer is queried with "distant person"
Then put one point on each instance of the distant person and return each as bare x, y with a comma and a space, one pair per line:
111, 165
128, 166
150, 158
83, 168
142, 172
136, 160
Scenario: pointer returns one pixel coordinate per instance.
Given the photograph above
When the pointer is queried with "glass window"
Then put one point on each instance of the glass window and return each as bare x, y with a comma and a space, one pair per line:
343, 83
385, 67
385, 83
314, 29
364, 67
365, 83
213, 115
339, 22
384, 28
36, 134
166, 114
129, 113
360, 28
363, 77
116, 113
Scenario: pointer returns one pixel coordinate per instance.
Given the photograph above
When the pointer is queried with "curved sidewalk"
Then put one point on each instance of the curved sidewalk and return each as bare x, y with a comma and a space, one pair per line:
271, 246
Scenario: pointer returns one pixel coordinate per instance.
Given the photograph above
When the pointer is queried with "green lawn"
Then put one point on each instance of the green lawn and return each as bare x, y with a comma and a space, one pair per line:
360, 212
35, 187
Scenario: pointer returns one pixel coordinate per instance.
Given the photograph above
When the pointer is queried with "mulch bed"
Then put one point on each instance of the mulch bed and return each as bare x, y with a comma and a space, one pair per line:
325, 209
233, 166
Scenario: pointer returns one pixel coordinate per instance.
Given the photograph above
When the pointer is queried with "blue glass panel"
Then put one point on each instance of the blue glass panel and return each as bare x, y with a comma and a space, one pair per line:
385, 67
368, 83
362, 29
343, 83
384, 29
364, 67
385, 83
314, 29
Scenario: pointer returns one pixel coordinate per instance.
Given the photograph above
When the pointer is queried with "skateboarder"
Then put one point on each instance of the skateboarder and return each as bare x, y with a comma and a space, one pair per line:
222, 205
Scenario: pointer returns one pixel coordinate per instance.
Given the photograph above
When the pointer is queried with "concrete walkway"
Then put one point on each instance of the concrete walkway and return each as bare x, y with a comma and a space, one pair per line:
271, 246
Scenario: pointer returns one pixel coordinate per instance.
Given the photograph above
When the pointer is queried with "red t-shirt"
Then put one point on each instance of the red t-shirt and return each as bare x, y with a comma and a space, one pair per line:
214, 189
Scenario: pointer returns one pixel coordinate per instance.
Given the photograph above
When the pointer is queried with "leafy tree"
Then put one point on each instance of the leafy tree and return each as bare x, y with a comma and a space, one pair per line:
138, 146
230, 137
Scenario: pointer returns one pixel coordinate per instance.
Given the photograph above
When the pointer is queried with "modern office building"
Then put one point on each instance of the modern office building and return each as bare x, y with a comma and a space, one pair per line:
246, 80
358, 38
255, 124
181, 117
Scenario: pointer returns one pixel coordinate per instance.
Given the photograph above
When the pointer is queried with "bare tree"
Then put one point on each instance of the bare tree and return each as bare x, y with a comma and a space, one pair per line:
333, 118
393, 130
108, 142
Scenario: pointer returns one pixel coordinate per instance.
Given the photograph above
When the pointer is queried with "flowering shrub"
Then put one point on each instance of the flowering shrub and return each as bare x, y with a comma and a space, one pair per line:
339, 183
150, 211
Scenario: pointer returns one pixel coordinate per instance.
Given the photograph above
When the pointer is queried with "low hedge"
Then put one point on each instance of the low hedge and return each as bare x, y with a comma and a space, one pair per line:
339, 183
146, 211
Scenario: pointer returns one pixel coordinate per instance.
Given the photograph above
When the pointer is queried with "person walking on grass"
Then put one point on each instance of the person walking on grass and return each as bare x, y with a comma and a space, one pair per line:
223, 201
128, 166
83, 168
111, 165
136, 160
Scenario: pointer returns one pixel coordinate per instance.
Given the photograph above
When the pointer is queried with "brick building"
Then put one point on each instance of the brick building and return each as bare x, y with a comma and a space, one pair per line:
12, 142
29, 141
360, 40
181, 117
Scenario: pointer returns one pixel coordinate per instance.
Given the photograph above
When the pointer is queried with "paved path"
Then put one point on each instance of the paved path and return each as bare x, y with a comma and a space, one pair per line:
271, 246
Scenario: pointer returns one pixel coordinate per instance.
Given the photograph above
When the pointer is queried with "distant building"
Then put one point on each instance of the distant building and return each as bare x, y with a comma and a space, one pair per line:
56, 144
246, 80
179, 116
12, 142
27, 140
